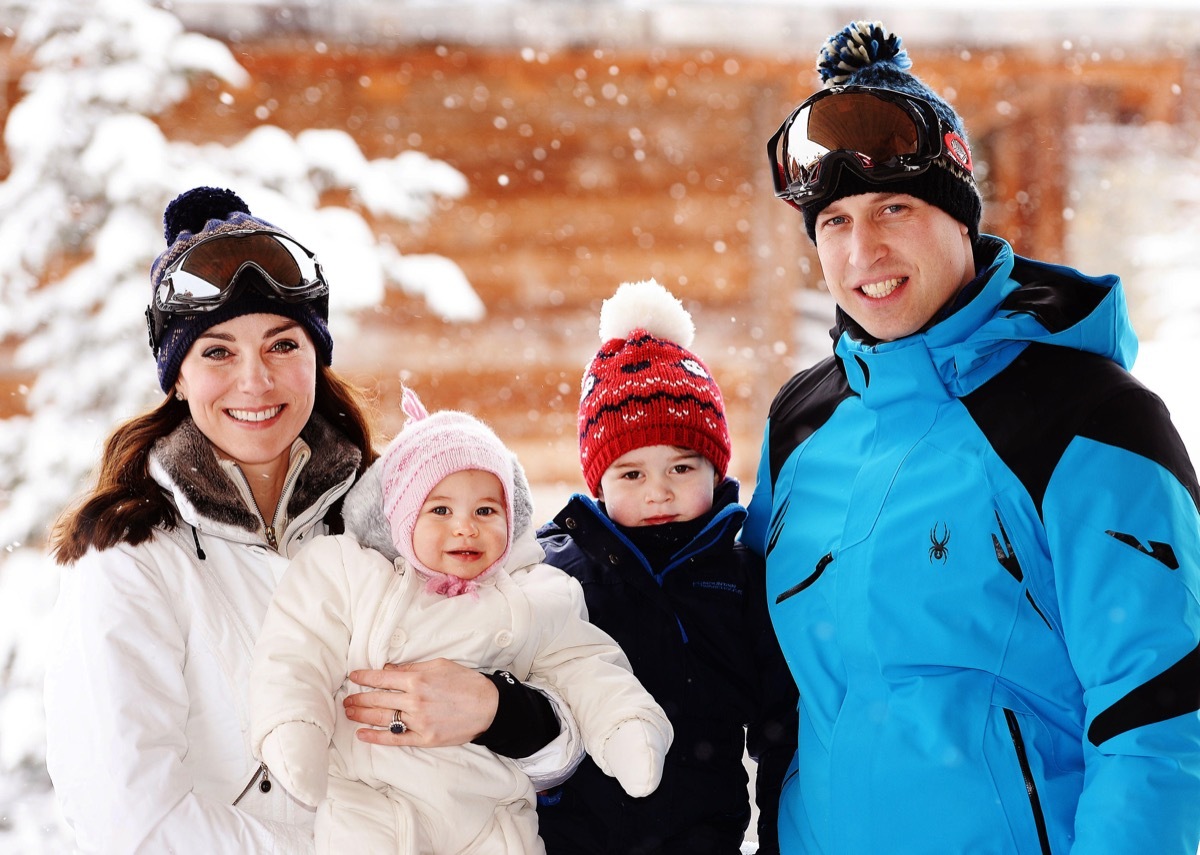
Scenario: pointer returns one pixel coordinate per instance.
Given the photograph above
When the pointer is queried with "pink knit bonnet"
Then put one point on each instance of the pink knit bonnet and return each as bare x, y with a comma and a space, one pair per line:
427, 449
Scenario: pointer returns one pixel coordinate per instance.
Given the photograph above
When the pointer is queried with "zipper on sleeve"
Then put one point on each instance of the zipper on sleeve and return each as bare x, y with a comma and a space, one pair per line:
262, 777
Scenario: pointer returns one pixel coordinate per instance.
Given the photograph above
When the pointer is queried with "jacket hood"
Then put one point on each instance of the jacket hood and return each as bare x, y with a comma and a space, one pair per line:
1013, 302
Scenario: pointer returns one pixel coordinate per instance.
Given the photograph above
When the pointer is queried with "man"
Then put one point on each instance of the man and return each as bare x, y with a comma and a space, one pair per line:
981, 532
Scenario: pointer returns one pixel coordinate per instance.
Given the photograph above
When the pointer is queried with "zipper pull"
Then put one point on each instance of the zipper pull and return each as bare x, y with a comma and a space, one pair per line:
264, 785
274, 544
199, 550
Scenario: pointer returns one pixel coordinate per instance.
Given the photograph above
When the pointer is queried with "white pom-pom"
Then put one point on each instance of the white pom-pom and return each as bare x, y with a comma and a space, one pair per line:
648, 306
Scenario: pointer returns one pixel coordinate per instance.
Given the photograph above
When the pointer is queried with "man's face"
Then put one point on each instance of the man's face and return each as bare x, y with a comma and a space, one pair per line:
891, 260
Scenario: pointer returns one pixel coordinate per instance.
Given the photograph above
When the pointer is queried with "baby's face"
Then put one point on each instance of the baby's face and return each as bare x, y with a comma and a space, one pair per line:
658, 484
462, 528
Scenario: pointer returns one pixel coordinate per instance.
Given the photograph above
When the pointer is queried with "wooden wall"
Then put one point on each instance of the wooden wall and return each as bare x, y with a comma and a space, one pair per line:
591, 167
586, 169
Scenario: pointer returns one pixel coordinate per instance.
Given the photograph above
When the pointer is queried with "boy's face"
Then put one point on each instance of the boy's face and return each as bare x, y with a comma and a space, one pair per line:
658, 484
462, 529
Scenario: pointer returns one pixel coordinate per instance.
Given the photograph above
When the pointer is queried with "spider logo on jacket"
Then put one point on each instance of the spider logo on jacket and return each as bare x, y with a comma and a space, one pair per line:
939, 548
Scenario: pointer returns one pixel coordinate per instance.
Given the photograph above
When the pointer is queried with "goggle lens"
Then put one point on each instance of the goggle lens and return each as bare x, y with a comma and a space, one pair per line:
878, 130
186, 287
205, 277
881, 134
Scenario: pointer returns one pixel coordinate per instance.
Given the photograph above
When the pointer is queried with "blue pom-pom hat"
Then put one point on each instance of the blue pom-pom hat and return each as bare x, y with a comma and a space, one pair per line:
864, 53
196, 215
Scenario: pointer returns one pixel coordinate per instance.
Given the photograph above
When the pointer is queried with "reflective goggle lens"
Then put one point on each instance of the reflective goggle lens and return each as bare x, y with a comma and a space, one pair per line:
203, 277
878, 130
883, 135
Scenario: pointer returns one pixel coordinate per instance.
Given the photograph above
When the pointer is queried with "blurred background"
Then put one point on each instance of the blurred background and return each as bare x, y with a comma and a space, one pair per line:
477, 177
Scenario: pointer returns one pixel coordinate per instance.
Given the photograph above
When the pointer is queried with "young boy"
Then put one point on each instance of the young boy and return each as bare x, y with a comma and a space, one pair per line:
447, 580
663, 574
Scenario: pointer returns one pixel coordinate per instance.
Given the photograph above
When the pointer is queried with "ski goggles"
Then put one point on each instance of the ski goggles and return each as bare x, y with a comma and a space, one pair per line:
879, 134
205, 277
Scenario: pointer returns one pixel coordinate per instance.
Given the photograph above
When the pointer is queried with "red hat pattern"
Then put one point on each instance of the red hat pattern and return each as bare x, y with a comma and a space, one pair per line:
644, 387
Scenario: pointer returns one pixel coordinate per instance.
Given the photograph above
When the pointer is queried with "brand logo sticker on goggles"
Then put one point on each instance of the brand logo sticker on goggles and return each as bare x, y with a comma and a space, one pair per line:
958, 149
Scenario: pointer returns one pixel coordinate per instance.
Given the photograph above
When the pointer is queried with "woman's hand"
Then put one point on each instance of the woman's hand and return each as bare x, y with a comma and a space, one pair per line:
440, 702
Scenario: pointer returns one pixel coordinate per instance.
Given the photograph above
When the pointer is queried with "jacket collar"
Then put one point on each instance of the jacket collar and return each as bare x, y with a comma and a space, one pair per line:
1013, 302
586, 521
185, 464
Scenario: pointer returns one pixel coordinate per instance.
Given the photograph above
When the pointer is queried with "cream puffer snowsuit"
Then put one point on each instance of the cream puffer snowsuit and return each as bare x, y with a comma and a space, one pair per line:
343, 606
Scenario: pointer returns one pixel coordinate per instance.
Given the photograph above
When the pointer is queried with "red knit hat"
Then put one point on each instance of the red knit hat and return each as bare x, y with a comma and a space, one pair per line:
644, 387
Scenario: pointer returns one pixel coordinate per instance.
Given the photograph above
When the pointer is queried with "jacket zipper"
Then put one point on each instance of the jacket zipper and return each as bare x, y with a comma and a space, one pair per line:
263, 786
1039, 819
269, 528
825, 561
279, 515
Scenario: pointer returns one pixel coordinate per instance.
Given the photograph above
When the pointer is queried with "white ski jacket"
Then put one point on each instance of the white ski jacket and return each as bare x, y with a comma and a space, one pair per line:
146, 685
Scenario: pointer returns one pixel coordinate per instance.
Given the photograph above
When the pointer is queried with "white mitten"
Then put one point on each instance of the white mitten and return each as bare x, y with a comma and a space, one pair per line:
634, 755
297, 755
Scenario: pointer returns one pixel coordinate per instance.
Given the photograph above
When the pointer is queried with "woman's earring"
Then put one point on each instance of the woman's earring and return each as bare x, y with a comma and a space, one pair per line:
179, 396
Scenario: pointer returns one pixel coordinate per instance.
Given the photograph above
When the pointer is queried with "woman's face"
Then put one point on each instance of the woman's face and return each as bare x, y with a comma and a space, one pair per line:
250, 384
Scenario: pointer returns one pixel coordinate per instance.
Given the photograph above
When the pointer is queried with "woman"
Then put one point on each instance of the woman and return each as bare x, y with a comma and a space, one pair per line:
172, 557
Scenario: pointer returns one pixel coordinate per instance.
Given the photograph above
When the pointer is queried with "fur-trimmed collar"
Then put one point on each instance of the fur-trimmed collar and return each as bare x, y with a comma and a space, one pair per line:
190, 461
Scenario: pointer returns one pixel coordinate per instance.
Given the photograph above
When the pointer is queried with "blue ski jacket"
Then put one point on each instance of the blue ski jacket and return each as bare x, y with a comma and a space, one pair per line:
982, 548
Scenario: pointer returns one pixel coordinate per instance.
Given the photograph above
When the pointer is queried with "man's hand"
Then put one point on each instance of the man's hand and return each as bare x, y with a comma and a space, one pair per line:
441, 703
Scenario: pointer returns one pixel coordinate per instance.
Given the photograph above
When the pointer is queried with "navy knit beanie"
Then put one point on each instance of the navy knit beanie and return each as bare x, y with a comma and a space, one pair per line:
864, 53
200, 213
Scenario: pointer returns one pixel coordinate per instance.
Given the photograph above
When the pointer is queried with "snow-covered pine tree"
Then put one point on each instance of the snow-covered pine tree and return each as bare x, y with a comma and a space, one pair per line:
91, 171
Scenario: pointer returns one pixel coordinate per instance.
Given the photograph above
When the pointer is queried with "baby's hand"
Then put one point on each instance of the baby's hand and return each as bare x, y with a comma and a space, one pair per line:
297, 755
634, 755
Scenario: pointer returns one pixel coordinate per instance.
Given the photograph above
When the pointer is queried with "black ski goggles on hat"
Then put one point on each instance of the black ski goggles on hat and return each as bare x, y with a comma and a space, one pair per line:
879, 134
205, 277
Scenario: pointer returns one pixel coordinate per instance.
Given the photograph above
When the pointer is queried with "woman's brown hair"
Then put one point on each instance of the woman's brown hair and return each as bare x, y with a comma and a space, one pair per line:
126, 503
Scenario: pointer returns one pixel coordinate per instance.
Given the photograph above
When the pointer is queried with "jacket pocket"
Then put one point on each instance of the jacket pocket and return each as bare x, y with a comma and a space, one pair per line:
825, 561
1031, 792
1007, 543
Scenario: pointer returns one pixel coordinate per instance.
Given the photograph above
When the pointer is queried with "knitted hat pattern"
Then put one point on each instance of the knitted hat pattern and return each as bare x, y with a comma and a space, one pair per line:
644, 387
200, 213
864, 53
427, 449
